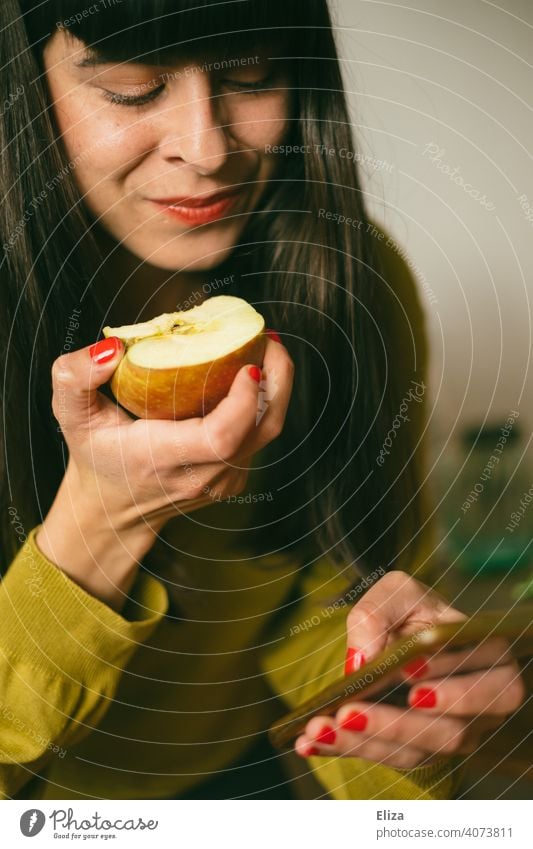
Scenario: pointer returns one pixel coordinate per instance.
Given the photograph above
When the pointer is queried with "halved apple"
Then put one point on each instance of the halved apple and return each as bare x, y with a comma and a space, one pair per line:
180, 365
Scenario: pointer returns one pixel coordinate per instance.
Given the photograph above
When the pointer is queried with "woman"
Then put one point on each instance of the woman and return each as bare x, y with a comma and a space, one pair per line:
153, 625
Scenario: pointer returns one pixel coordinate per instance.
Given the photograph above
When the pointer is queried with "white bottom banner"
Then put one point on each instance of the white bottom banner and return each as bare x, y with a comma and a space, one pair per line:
257, 824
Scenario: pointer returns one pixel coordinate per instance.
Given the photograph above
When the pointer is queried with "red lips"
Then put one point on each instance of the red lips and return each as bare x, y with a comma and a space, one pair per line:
192, 201
203, 210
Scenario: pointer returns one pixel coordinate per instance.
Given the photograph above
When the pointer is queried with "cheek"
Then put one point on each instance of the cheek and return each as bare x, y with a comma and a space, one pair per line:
99, 147
263, 122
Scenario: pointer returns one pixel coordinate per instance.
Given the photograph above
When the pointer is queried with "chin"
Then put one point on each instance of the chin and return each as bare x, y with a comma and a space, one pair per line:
197, 252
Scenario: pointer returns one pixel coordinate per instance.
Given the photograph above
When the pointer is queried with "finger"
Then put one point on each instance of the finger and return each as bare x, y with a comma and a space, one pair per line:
214, 438
238, 427
397, 603
353, 745
76, 378
434, 734
275, 390
492, 652
499, 691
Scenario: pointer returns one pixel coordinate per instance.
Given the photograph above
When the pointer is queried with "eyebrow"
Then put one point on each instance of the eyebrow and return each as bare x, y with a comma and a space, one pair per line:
90, 60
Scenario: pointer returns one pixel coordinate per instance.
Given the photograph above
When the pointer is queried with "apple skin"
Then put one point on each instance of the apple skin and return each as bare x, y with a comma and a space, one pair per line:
183, 392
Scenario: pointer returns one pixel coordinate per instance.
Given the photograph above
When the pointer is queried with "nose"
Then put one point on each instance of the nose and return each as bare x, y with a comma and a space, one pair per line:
194, 131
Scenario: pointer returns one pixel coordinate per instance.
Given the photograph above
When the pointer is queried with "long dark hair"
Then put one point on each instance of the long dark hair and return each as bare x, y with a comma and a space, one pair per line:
317, 280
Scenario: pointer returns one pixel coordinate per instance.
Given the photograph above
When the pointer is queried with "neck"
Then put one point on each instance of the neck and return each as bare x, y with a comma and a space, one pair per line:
131, 290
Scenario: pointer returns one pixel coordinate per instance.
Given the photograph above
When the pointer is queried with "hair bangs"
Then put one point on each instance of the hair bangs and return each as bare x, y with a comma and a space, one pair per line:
160, 31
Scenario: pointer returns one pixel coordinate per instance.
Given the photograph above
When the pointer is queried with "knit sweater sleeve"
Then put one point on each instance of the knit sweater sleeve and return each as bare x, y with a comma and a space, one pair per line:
62, 652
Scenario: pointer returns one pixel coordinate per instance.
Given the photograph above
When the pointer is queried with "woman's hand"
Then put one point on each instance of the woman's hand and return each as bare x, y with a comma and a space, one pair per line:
145, 471
126, 478
450, 706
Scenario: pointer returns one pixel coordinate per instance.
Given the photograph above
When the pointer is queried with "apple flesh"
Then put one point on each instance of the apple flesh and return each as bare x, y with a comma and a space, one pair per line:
181, 365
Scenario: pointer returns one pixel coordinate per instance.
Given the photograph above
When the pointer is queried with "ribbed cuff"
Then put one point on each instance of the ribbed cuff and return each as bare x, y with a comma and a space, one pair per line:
52, 623
432, 779
357, 778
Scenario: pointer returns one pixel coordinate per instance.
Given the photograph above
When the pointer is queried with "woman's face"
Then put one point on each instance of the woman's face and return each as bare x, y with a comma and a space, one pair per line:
191, 133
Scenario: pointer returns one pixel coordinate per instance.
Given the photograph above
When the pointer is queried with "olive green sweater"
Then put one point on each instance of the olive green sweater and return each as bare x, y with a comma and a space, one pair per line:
148, 704
144, 705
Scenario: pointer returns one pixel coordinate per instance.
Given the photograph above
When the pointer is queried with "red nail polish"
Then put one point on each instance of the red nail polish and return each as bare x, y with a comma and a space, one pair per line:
416, 668
255, 373
355, 659
311, 750
327, 735
355, 721
104, 350
424, 698
273, 335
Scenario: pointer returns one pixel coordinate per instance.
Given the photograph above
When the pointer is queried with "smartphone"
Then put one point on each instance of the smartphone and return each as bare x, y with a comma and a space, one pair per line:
515, 624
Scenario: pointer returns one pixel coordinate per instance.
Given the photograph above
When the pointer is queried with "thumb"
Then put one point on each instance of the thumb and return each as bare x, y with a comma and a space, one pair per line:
395, 605
76, 378
366, 638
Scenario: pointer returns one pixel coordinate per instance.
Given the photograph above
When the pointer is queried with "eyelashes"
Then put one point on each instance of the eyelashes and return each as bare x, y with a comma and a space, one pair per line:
255, 87
132, 100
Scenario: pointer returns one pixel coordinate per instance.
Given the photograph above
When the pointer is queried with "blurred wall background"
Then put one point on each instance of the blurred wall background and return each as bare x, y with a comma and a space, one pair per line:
441, 96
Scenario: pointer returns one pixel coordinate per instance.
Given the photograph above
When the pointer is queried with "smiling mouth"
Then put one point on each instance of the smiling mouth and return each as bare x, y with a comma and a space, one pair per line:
200, 210
194, 202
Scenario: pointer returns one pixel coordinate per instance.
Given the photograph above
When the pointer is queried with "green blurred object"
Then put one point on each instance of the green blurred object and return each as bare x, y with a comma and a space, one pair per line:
524, 589
488, 508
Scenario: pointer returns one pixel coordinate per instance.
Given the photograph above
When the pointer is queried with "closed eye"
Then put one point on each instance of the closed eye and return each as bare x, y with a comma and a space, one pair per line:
131, 100
252, 87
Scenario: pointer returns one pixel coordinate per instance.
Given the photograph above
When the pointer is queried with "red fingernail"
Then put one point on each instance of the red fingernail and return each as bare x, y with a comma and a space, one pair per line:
273, 335
424, 698
307, 753
104, 350
355, 659
327, 735
255, 373
355, 721
416, 668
